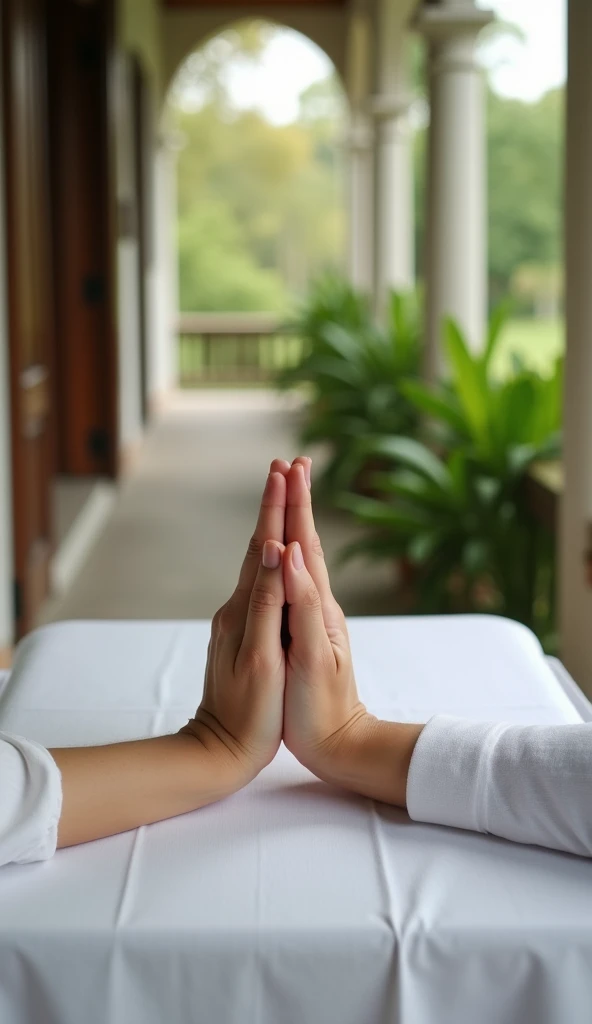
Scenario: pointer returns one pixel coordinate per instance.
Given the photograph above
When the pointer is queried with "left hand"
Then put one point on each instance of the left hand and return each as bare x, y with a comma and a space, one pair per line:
240, 717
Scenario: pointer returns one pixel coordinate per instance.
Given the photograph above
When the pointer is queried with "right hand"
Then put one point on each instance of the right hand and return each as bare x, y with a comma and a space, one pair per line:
323, 715
326, 726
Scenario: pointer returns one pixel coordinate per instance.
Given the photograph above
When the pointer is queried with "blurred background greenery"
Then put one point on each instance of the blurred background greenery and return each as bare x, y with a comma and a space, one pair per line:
436, 477
261, 206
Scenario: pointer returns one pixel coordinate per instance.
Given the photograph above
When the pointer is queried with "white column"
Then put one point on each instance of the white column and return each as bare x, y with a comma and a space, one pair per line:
165, 294
576, 511
456, 257
360, 147
393, 196
361, 173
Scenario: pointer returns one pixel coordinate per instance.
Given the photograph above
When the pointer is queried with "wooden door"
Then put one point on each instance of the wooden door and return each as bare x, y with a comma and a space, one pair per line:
142, 153
80, 40
29, 298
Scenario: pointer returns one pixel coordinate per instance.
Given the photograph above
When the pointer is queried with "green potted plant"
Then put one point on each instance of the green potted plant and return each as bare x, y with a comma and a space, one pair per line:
454, 504
352, 369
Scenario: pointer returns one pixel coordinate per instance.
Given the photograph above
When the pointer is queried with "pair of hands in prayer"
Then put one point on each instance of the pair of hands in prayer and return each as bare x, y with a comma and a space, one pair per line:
257, 692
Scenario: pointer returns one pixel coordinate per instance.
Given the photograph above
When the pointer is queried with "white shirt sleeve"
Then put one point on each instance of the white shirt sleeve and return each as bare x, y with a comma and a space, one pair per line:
531, 784
30, 801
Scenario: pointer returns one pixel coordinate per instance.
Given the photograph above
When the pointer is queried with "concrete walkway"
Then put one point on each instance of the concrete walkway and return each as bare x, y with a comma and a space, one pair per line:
177, 535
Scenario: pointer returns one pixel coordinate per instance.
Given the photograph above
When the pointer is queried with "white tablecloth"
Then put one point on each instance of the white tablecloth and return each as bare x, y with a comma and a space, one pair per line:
291, 902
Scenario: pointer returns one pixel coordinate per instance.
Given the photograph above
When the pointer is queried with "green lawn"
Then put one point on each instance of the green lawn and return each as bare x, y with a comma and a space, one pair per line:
537, 342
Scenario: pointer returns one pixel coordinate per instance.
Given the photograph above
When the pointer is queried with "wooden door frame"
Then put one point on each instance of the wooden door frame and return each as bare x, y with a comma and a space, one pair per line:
24, 600
140, 112
107, 462
32, 583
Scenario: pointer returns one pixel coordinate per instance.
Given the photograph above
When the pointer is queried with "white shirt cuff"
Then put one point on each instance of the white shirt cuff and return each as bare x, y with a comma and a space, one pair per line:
447, 779
30, 801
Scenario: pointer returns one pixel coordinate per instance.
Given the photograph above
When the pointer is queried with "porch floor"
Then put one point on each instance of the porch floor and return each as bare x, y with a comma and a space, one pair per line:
175, 539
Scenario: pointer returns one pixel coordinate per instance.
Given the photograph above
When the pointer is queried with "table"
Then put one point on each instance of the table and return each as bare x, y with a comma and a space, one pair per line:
291, 902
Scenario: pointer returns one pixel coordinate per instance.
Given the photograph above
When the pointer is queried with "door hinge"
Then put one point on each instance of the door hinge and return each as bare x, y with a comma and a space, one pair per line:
93, 289
98, 443
17, 600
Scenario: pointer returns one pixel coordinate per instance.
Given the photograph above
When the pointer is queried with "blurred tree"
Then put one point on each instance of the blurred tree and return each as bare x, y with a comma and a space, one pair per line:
260, 206
541, 287
524, 148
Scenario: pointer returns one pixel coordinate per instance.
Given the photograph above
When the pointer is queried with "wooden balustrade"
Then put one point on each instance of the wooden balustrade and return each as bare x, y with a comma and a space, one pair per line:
227, 349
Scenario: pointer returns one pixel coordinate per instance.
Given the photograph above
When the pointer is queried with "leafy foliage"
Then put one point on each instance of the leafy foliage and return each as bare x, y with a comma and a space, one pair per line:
524, 185
459, 512
353, 369
260, 206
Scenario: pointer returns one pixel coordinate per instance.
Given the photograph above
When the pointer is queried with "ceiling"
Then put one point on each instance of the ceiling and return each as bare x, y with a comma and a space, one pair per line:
203, 4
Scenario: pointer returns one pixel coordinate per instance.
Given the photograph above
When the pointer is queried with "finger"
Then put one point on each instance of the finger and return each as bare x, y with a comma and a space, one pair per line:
264, 617
270, 526
307, 626
306, 463
300, 527
280, 466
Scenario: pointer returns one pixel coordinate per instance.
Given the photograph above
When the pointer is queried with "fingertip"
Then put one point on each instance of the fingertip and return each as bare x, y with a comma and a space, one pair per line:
275, 486
296, 483
280, 466
271, 556
287, 556
293, 562
297, 557
306, 463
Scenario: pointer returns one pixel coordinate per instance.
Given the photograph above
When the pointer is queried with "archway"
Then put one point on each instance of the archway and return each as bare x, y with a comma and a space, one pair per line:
258, 116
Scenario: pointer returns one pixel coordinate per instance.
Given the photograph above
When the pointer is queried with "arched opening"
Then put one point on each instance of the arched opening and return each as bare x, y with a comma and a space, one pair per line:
258, 116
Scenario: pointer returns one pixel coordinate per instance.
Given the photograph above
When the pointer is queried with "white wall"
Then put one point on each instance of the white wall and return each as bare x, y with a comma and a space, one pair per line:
162, 285
6, 570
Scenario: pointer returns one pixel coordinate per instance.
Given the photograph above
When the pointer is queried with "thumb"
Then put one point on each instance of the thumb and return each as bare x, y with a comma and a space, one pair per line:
307, 626
264, 617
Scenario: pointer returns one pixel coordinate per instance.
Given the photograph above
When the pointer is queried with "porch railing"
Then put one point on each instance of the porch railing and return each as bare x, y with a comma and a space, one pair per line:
234, 348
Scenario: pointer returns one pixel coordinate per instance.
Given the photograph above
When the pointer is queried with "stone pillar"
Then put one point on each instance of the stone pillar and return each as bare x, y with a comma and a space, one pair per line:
361, 172
576, 512
393, 195
360, 147
393, 198
456, 250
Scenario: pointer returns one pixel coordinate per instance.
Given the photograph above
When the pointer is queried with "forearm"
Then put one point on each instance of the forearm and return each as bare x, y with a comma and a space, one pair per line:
118, 787
374, 761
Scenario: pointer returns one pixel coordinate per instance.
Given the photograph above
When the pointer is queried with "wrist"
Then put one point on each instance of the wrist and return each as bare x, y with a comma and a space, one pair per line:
225, 771
374, 759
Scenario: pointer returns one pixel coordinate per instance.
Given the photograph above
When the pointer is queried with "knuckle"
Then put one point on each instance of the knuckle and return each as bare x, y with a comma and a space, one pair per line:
255, 548
317, 547
262, 599
311, 597
226, 617
253, 661
335, 633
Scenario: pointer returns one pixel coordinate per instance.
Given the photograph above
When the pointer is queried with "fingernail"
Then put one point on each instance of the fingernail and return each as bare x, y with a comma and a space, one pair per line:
307, 472
297, 559
271, 555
